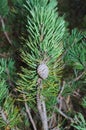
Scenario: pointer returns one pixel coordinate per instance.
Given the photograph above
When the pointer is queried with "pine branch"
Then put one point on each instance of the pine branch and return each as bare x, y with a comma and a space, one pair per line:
77, 78
64, 115
5, 33
42, 107
29, 115
3, 116
4, 55
5, 119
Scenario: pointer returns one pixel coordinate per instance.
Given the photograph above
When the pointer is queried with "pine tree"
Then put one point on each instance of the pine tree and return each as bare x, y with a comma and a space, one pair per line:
45, 87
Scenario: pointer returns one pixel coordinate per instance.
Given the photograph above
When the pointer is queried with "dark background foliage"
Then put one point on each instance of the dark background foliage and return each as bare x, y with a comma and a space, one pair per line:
75, 12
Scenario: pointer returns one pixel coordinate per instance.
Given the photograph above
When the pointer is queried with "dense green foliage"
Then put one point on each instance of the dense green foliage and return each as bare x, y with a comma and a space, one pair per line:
4, 8
43, 46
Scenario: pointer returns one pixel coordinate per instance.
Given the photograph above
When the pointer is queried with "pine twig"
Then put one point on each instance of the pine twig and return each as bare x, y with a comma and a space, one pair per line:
42, 107
77, 78
3, 116
4, 55
29, 115
62, 104
5, 33
64, 115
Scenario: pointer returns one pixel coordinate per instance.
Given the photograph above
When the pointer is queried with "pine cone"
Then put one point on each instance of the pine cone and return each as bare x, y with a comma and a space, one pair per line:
43, 71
